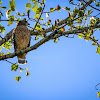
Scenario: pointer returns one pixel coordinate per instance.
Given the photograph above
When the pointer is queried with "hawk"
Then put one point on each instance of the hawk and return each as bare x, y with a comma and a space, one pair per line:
21, 39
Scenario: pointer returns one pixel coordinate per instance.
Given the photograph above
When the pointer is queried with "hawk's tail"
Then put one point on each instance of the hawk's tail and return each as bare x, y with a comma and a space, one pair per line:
22, 61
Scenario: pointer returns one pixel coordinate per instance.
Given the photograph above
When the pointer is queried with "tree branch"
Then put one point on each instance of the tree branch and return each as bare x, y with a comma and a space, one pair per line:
47, 38
6, 38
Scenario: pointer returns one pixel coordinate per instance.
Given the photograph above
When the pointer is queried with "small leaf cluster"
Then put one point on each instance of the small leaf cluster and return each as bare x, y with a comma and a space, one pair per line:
7, 45
8, 12
14, 67
2, 29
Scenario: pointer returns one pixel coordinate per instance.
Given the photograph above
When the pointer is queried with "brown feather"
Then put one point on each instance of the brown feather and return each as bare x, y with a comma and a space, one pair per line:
22, 38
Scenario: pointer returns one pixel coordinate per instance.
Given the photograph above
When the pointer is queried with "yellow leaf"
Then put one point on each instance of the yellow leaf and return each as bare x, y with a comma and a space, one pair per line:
17, 78
26, 68
20, 70
55, 40
98, 50
36, 38
8, 52
52, 9
98, 94
80, 35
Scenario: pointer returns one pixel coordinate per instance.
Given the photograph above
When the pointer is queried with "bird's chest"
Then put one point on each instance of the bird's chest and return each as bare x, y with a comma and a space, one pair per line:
22, 37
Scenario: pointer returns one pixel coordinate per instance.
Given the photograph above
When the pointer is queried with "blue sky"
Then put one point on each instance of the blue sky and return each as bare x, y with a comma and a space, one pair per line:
67, 70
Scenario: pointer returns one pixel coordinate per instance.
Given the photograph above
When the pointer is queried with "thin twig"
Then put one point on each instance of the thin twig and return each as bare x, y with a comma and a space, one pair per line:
96, 86
13, 64
8, 20
91, 6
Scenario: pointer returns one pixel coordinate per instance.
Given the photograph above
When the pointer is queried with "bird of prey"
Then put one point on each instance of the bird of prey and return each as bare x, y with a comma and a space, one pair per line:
21, 39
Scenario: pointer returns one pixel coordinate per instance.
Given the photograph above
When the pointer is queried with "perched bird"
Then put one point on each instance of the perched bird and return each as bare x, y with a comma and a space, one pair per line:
21, 39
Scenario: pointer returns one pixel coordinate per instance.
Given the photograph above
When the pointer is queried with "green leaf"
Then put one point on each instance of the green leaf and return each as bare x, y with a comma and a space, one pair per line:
28, 5
94, 43
41, 18
66, 8
23, 14
81, 13
71, 18
12, 5
78, 26
18, 13
34, 8
27, 73
87, 37
17, 78
28, 10
98, 4
0, 2
0, 49
8, 52
43, 1
98, 50
89, 11
52, 9
18, 19
48, 23
38, 27
38, 10
76, 10
14, 67
80, 35
8, 12
94, 37
36, 16
2, 28
11, 19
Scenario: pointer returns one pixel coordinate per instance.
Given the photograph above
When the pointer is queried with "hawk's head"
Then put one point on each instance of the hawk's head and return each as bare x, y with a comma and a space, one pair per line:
23, 22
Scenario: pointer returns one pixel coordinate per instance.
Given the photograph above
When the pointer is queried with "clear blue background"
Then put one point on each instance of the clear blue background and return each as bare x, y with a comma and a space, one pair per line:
67, 70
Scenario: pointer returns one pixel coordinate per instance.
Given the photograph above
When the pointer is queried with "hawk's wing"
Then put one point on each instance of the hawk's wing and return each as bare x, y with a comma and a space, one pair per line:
29, 42
14, 42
